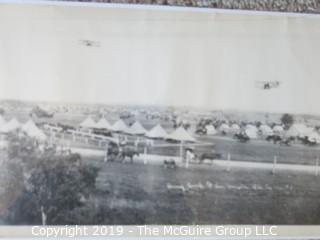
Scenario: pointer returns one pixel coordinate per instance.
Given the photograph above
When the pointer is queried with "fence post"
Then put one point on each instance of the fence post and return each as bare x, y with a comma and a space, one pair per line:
187, 159
317, 166
229, 162
106, 155
274, 165
145, 161
181, 151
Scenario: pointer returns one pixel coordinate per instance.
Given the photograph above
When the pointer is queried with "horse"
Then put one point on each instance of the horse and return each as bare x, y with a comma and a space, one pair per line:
169, 164
113, 151
201, 131
242, 137
305, 140
286, 142
128, 152
209, 156
275, 138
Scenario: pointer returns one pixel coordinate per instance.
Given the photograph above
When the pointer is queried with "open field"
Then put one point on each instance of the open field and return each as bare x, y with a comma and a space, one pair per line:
138, 194
263, 151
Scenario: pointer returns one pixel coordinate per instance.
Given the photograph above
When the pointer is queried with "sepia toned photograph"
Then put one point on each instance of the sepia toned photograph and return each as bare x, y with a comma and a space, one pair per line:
119, 116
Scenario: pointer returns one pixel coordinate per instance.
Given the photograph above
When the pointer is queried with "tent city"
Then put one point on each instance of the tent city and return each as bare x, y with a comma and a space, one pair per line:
99, 164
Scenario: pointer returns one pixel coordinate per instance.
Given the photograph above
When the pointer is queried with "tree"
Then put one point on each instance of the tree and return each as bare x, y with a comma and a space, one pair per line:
287, 120
52, 185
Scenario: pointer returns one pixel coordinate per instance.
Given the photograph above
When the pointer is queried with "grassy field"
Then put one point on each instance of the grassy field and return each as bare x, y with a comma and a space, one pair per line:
263, 151
255, 151
138, 194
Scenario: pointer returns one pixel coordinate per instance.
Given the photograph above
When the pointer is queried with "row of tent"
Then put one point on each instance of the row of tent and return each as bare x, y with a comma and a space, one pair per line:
180, 134
29, 128
250, 129
296, 130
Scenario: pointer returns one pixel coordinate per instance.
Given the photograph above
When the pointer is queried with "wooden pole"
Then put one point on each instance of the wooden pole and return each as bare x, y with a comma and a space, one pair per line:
106, 155
317, 166
181, 151
187, 159
145, 161
229, 162
274, 165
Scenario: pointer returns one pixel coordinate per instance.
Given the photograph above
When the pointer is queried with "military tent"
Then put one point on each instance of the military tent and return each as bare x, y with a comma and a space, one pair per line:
210, 129
10, 126
252, 133
88, 123
2, 121
137, 128
314, 137
180, 134
266, 130
32, 130
251, 126
224, 128
277, 129
157, 132
298, 130
120, 126
235, 127
103, 124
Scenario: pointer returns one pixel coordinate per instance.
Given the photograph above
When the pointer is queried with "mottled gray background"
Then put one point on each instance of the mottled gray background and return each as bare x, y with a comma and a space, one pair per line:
300, 6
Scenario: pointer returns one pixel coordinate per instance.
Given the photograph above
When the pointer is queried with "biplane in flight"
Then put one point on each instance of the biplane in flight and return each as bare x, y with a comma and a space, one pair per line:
267, 85
89, 43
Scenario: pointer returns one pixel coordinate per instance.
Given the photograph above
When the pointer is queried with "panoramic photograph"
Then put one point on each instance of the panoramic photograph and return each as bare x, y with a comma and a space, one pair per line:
132, 116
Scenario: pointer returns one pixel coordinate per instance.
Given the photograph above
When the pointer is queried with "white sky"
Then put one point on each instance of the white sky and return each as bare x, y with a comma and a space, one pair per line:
206, 60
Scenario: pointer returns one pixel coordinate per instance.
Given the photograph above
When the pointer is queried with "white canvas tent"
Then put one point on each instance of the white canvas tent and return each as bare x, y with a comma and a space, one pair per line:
3, 144
88, 123
266, 130
252, 133
250, 126
137, 128
103, 124
157, 132
235, 127
120, 126
33, 131
210, 129
10, 126
224, 128
314, 137
180, 134
2, 121
278, 129
298, 130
